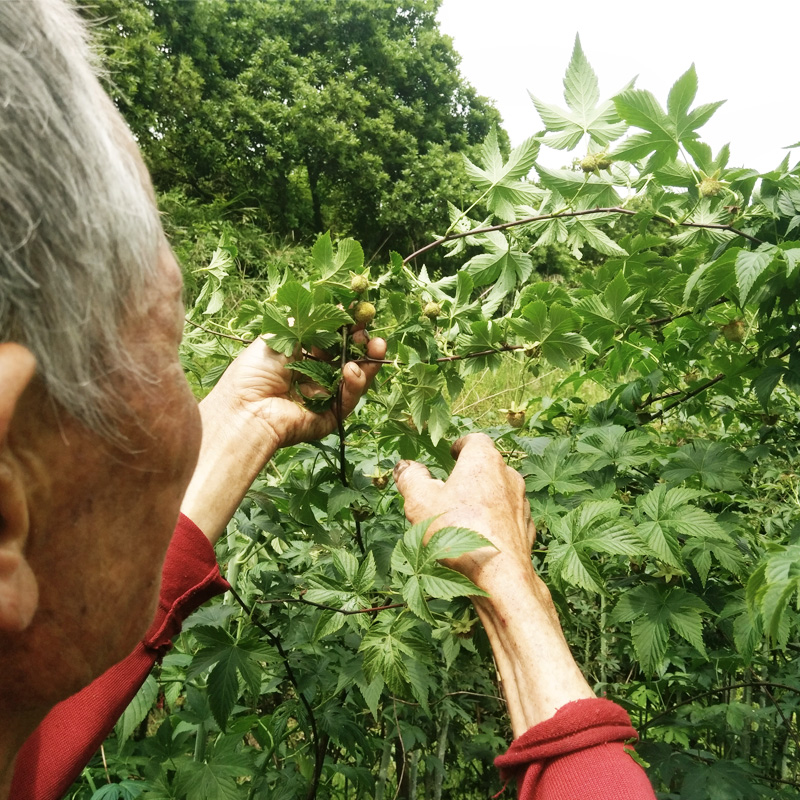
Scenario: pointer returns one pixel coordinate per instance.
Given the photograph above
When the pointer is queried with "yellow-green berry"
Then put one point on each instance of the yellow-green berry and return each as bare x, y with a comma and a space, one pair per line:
364, 312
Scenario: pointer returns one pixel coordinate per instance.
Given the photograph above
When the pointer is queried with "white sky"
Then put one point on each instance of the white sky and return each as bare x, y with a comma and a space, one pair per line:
745, 53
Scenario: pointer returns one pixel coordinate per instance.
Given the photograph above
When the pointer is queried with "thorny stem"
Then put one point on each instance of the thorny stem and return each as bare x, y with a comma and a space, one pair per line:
342, 443
700, 389
319, 754
345, 611
710, 692
219, 333
559, 214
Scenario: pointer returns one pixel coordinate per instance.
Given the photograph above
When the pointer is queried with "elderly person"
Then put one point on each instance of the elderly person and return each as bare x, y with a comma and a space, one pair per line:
102, 444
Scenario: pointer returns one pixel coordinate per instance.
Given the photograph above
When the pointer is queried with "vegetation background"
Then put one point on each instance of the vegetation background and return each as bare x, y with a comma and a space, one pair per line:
625, 328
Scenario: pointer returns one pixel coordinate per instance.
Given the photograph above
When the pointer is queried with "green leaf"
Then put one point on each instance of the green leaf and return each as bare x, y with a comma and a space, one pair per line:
664, 132
501, 183
137, 710
439, 581
612, 444
320, 372
552, 331
298, 299
589, 191
750, 264
713, 464
214, 779
452, 542
556, 468
586, 115
655, 610
580, 83
342, 497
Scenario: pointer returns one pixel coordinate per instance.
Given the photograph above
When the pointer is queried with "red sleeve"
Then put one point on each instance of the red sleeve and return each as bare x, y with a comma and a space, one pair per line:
577, 753
71, 733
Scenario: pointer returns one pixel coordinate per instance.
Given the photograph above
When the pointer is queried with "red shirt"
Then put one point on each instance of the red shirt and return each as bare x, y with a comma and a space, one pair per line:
576, 755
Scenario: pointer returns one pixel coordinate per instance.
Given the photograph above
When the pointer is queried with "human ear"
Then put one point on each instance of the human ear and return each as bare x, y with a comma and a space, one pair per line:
19, 591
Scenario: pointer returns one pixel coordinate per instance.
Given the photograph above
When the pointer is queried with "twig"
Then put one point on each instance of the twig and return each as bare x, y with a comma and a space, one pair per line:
667, 320
506, 348
345, 611
342, 443
565, 214
319, 755
694, 699
688, 396
217, 333
789, 727
402, 749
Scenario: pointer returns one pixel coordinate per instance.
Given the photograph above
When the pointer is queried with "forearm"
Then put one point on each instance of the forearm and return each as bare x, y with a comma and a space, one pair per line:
537, 670
231, 457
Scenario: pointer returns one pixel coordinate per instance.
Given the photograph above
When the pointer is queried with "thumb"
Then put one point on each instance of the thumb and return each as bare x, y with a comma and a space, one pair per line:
419, 489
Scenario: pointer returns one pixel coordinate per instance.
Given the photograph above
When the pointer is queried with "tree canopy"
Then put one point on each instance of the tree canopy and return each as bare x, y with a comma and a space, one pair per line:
312, 114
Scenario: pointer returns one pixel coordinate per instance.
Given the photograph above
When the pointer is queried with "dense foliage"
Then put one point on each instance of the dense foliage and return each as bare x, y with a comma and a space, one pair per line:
304, 114
653, 414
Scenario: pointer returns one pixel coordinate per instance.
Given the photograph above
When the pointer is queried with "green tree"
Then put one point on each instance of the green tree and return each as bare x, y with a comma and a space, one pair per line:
317, 114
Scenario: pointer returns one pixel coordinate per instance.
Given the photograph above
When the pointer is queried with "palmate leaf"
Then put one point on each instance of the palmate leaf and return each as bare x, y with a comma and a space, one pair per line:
300, 322
655, 610
594, 527
504, 268
228, 658
612, 444
665, 514
390, 644
586, 115
426, 575
349, 257
713, 464
214, 779
664, 131
500, 182
553, 330
590, 191
556, 468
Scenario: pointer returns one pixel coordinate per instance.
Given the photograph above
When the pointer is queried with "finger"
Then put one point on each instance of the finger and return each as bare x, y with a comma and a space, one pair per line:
354, 384
360, 337
418, 487
376, 348
473, 443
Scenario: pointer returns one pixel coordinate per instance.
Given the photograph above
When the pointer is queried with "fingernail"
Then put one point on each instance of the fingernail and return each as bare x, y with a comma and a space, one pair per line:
399, 468
356, 371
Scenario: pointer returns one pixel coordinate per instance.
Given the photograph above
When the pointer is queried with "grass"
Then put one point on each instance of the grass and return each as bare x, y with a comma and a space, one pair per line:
486, 392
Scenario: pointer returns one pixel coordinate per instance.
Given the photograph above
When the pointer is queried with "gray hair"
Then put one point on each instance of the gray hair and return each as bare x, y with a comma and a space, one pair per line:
79, 231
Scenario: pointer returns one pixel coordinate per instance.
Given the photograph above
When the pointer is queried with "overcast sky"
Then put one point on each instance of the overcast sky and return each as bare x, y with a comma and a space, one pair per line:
745, 53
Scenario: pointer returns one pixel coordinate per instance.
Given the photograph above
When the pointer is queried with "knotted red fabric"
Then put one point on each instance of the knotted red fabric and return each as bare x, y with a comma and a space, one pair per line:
72, 732
578, 754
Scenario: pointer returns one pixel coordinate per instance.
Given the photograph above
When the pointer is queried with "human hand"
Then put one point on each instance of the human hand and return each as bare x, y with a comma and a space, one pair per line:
483, 494
259, 388
253, 410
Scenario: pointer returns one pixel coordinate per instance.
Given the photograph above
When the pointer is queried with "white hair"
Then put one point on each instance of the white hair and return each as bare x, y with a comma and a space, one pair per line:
79, 231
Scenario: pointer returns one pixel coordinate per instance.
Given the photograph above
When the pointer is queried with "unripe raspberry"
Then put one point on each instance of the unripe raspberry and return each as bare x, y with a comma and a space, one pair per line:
734, 331
516, 419
380, 481
709, 187
359, 284
364, 312
431, 310
590, 163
